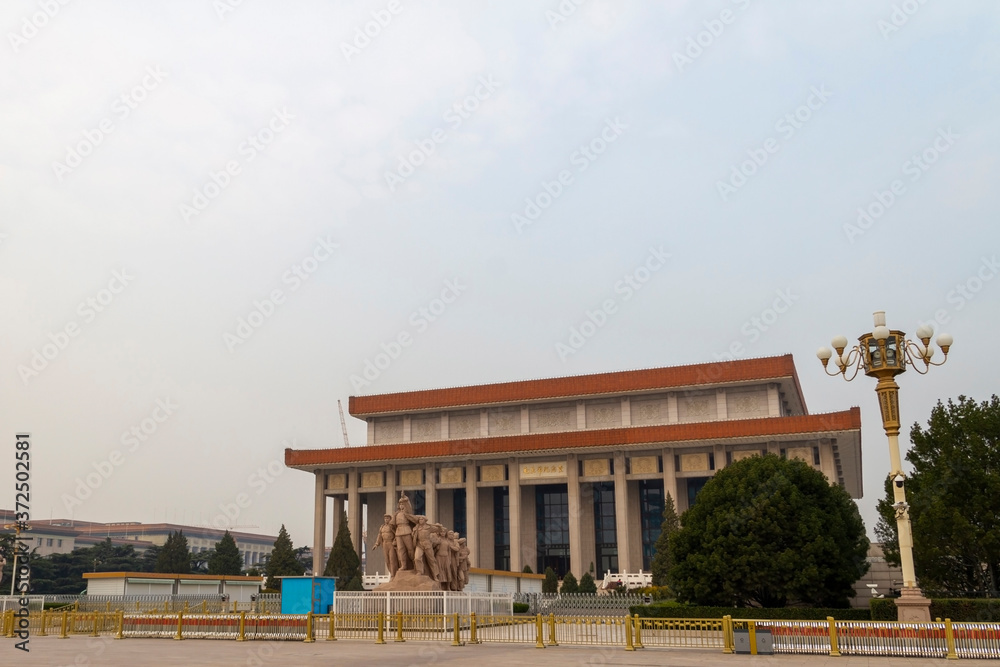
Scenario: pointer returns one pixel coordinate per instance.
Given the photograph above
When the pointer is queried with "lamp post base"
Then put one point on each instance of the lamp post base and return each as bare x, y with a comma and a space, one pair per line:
912, 606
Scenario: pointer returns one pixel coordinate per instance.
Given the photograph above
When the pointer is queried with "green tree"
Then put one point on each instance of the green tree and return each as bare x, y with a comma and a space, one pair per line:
282, 562
569, 584
587, 584
954, 498
527, 570
174, 556
769, 531
551, 583
226, 558
343, 563
661, 560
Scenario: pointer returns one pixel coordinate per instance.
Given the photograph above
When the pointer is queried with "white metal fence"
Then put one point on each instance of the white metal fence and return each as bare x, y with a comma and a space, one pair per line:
424, 603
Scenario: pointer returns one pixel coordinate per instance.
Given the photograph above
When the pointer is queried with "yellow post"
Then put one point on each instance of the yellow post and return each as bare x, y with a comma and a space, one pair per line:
399, 627
204, 606
44, 621
166, 607
76, 606
180, 623
107, 606
834, 646
137, 607
331, 636
457, 640
185, 606
97, 621
121, 625
629, 646
381, 627
728, 640
552, 630
242, 636
638, 631
309, 628
538, 632
234, 606
752, 625
949, 637
472, 629
65, 626
7, 627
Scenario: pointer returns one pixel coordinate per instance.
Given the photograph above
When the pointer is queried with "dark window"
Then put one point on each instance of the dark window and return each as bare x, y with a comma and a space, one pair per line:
501, 528
419, 500
695, 485
605, 535
651, 505
459, 504
552, 524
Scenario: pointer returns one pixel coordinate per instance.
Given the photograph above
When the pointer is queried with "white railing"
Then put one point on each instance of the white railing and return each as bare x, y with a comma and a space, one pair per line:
427, 602
370, 581
627, 580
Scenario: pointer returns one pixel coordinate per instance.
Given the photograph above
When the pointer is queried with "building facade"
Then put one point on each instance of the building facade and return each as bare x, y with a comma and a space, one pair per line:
572, 472
51, 536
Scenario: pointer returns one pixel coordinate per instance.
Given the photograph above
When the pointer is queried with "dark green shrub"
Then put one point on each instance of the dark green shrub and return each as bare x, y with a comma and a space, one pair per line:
569, 584
967, 610
883, 609
676, 610
521, 607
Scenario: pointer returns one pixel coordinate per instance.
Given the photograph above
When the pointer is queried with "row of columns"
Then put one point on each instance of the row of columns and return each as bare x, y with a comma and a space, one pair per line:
626, 558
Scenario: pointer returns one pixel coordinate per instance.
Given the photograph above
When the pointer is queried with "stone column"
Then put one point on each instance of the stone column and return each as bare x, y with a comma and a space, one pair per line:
773, 401
371, 430
721, 407
430, 493
472, 513
625, 563
514, 491
626, 411
391, 496
338, 509
669, 475
354, 509
576, 564
671, 408
319, 523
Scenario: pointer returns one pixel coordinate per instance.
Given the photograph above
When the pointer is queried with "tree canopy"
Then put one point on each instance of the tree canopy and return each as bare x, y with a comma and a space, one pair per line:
551, 583
226, 558
661, 560
954, 498
587, 584
769, 531
174, 556
570, 584
282, 562
344, 563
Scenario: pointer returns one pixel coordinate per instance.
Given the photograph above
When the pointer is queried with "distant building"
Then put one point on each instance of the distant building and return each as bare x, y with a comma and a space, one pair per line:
63, 535
571, 472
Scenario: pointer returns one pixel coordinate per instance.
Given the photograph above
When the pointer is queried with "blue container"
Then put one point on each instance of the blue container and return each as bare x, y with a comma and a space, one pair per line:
300, 595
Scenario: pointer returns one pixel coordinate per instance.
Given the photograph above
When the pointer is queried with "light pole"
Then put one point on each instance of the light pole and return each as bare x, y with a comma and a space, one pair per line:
884, 353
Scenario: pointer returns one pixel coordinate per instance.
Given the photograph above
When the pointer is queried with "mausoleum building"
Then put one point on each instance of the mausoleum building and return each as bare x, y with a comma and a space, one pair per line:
571, 472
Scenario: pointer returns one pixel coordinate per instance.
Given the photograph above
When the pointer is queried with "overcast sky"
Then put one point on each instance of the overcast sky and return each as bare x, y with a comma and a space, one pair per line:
167, 169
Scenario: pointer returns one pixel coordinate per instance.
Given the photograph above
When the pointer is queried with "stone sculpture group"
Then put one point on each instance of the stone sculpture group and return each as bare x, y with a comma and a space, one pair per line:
413, 545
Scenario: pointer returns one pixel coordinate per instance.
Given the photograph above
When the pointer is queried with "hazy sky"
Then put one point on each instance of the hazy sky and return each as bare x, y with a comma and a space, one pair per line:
168, 169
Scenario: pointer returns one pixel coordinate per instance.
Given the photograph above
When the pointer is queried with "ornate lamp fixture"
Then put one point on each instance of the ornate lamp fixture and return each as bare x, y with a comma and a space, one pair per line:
884, 353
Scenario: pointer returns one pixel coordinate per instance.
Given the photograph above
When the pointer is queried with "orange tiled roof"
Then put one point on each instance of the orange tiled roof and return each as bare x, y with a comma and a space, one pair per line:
834, 421
740, 370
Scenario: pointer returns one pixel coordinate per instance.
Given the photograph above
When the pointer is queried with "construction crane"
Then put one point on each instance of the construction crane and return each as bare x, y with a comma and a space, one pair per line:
343, 424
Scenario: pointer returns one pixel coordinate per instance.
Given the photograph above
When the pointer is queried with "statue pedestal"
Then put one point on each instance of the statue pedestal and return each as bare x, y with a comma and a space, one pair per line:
409, 580
912, 606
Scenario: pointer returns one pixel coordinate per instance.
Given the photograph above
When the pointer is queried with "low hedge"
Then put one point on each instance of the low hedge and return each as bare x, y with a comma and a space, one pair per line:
675, 610
521, 607
967, 610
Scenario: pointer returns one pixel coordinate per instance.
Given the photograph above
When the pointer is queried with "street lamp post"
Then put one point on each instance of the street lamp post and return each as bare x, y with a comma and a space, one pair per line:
884, 353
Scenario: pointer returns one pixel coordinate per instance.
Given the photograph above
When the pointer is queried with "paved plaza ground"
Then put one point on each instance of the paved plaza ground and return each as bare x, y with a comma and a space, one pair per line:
84, 651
